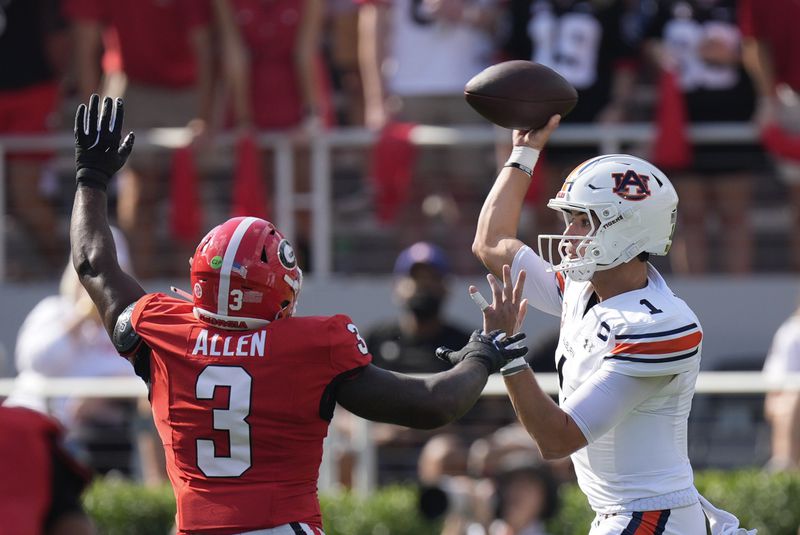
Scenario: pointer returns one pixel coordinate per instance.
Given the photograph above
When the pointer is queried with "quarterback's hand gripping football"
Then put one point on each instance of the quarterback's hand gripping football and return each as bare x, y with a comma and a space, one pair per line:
493, 350
98, 151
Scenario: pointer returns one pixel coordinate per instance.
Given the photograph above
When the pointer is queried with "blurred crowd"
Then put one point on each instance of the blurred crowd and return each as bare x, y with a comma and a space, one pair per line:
231, 69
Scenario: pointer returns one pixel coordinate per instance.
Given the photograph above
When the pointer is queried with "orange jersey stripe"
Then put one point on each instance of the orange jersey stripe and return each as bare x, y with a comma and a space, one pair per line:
659, 348
649, 523
560, 279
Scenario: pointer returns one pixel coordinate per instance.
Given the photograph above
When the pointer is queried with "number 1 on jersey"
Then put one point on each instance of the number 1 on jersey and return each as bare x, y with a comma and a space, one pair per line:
232, 419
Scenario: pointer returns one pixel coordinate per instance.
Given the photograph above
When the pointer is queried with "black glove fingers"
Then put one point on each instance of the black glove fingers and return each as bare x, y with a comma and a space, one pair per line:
515, 353
126, 146
105, 120
116, 119
494, 334
94, 112
80, 124
444, 353
475, 336
513, 339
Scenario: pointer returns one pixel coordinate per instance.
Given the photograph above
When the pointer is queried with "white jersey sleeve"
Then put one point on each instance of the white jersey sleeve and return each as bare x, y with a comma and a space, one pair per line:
543, 289
784, 355
603, 401
663, 348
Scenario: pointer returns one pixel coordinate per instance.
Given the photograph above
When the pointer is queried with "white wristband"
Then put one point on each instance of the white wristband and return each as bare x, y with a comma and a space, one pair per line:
523, 158
514, 366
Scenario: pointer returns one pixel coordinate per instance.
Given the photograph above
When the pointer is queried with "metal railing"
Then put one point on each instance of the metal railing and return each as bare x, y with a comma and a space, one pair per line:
607, 138
365, 476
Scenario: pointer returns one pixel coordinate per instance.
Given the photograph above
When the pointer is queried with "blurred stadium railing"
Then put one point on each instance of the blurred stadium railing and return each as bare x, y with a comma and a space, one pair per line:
709, 384
607, 138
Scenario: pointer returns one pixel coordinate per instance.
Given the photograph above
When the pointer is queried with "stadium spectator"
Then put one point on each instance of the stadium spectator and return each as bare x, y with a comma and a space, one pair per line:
405, 344
234, 345
32, 43
420, 289
272, 59
446, 492
782, 408
699, 43
629, 352
40, 491
595, 47
527, 495
342, 49
415, 58
159, 54
509, 491
62, 337
771, 48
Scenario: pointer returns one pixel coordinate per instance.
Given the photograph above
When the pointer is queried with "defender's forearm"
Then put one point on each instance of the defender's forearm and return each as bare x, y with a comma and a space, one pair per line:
90, 235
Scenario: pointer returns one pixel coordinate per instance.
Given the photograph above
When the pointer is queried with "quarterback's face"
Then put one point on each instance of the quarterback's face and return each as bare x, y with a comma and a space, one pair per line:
578, 224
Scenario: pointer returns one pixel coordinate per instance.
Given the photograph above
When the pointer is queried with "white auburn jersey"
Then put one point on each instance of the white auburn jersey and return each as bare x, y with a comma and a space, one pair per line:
641, 463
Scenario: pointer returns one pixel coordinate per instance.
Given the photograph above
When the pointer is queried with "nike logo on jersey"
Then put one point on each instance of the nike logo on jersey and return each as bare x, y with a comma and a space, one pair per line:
237, 345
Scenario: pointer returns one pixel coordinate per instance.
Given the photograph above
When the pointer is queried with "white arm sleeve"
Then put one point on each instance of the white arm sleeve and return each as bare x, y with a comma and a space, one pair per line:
603, 401
542, 288
784, 355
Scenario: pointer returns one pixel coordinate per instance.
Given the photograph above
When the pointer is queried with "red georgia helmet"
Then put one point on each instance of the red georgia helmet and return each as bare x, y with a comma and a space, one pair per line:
244, 275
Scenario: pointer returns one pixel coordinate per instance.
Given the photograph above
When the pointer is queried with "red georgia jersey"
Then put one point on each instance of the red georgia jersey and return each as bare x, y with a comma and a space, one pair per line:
242, 414
30, 444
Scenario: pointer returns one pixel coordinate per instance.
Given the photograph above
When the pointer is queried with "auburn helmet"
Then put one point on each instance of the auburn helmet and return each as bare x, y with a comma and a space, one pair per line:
632, 207
244, 275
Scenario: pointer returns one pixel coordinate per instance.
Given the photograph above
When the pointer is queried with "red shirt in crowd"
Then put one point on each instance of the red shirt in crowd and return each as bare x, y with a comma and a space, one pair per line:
153, 36
39, 478
270, 32
242, 414
774, 22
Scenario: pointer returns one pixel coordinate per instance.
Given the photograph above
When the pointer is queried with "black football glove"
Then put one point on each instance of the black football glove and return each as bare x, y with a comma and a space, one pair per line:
98, 152
492, 350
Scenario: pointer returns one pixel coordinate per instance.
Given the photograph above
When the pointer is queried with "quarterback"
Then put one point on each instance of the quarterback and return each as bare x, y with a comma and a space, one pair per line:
242, 390
629, 349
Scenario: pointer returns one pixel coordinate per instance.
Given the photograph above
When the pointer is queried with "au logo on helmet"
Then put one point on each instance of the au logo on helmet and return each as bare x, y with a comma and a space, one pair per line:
631, 186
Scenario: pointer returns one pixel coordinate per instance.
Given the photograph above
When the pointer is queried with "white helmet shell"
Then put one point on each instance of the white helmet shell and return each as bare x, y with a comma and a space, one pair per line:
632, 207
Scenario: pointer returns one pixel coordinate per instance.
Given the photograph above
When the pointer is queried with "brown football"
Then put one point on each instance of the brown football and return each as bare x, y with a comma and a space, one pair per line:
520, 94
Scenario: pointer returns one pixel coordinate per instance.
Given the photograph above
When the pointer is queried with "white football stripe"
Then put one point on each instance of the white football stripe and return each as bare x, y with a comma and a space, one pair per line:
227, 264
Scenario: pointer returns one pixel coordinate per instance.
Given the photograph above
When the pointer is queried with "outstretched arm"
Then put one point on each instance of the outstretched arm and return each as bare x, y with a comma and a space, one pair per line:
98, 155
426, 403
496, 240
384, 396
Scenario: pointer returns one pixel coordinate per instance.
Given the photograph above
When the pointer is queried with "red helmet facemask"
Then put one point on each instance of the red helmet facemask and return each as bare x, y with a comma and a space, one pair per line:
244, 275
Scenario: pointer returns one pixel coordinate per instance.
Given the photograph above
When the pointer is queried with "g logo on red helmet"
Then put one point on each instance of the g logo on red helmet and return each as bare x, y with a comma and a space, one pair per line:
286, 255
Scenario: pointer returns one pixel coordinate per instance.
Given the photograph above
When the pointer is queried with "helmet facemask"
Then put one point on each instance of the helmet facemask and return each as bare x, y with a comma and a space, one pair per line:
600, 249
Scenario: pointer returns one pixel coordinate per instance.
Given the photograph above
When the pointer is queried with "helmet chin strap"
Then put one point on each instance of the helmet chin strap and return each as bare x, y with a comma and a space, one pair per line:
581, 274
183, 293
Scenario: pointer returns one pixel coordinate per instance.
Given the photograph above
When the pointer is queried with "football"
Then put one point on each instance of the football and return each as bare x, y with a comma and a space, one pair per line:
520, 94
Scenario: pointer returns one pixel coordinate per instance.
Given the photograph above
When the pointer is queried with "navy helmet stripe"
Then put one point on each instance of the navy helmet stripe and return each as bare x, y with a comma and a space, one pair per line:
656, 335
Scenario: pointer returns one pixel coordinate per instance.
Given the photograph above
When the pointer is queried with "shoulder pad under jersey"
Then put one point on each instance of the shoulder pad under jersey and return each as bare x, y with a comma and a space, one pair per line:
124, 337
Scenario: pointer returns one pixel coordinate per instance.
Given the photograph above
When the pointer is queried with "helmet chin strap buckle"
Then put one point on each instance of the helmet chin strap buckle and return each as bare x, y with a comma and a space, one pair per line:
632, 251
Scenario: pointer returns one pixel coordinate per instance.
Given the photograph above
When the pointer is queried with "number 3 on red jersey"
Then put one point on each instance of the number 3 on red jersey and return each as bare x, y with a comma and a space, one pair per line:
232, 419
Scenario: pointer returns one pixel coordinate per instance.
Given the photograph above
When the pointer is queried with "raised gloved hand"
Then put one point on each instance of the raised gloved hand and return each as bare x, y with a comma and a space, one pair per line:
98, 151
493, 350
